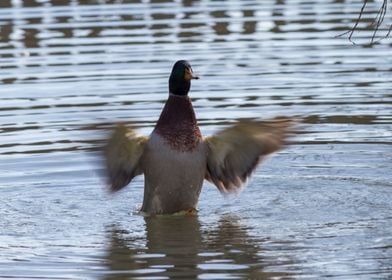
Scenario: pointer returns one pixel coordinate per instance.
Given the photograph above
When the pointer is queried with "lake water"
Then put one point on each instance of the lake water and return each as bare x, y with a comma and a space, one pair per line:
69, 69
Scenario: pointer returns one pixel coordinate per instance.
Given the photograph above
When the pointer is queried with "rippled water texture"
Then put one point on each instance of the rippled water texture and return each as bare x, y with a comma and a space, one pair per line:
69, 69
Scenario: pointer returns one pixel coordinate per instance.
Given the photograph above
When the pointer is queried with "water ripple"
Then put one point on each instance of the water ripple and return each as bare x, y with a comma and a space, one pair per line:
70, 69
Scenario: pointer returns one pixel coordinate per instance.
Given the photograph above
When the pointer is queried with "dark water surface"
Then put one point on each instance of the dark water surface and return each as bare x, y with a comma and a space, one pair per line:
70, 68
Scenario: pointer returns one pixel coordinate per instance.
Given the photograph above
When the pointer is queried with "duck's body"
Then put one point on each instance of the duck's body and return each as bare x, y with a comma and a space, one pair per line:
174, 163
176, 159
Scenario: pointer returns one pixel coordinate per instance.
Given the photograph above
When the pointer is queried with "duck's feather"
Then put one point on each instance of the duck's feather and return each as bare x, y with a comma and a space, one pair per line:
122, 154
234, 152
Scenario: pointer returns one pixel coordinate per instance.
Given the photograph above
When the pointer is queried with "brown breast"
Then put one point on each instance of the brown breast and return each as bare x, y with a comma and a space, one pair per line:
178, 125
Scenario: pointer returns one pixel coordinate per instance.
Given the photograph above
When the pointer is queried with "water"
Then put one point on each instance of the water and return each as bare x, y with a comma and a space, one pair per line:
69, 69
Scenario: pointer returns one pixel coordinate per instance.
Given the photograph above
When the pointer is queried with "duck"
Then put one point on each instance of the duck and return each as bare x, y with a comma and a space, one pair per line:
176, 159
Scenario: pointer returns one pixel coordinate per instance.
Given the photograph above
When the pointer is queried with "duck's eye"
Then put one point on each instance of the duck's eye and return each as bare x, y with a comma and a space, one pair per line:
188, 74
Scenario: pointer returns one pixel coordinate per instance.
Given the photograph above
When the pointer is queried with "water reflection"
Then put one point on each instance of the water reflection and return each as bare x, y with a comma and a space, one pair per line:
165, 21
175, 247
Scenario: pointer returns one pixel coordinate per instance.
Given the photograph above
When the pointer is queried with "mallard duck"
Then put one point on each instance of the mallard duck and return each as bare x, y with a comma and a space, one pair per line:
175, 159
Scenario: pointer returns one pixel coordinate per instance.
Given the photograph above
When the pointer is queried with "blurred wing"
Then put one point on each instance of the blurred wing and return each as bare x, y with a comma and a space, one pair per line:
234, 152
122, 154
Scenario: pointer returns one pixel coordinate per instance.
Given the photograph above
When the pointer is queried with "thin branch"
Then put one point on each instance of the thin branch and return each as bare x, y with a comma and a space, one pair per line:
379, 19
376, 23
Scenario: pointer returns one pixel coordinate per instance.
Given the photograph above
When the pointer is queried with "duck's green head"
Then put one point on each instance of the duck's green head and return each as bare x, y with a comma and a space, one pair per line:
180, 78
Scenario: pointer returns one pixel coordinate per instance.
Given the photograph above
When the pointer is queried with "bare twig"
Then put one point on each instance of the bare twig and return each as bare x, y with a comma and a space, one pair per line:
376, 23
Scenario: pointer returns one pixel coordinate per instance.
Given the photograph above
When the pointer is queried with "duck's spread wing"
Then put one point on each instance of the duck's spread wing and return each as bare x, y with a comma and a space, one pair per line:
234, 152
122, 154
